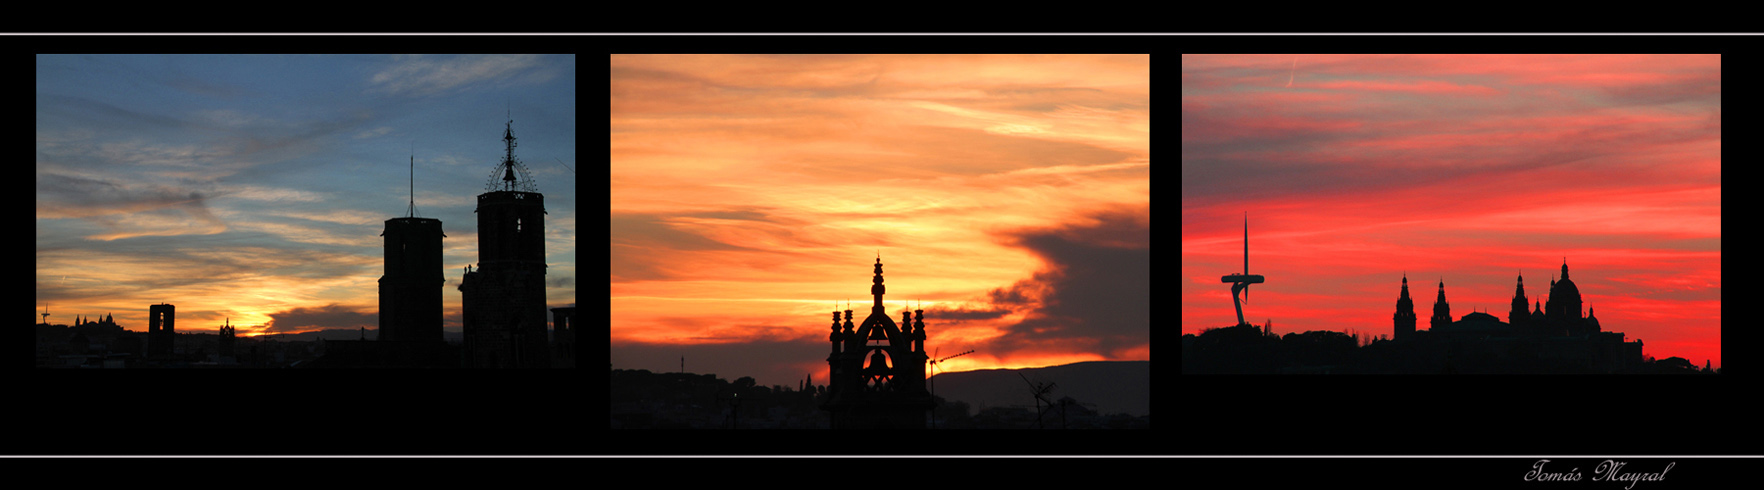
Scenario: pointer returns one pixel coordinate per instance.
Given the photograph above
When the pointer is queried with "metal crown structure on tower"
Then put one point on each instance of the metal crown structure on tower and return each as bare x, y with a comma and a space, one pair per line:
504, 177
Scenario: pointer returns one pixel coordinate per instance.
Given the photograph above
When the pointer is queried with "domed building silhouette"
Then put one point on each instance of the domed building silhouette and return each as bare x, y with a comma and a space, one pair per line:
1554, 334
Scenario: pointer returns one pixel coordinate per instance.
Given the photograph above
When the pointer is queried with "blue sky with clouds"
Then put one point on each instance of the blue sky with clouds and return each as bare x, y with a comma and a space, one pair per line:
255, 187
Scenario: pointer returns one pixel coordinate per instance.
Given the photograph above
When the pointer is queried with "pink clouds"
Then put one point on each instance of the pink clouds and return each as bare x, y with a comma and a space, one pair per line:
1431, 87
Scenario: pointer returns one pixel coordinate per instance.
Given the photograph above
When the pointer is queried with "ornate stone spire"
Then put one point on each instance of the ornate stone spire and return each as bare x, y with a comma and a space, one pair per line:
878, 289
1517, 315
1442, 311
1404, 319
1405, 296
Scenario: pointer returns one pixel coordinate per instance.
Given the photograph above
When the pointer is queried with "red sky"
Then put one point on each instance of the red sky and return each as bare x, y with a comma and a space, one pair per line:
1472, 168
1010, 194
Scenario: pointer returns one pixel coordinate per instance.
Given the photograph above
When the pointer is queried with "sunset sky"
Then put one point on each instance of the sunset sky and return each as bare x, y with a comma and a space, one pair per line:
1355, 169
1010, 195
256, 187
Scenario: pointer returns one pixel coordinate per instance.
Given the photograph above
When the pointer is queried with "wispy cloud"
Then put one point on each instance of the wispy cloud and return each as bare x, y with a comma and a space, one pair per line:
422, 76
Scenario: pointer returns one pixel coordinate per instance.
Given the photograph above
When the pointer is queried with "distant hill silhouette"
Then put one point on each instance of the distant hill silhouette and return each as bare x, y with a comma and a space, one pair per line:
350, 334
1113, 386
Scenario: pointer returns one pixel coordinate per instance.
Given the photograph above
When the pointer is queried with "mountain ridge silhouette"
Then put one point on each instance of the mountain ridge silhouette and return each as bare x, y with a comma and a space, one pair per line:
1112, 386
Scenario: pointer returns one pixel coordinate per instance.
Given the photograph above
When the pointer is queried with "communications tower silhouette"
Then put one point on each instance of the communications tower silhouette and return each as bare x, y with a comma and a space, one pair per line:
1241, 282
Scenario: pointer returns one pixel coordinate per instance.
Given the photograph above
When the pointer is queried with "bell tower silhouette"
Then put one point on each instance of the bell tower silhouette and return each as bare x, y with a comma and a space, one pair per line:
877, 371
162, 322
410, 287
503, 300
1442, 311
1405, 313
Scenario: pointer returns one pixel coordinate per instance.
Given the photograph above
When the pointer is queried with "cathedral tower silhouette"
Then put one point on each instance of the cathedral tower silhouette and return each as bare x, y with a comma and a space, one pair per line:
227, 338
1405, 313
1442, 311
1519, 316
162, 321
877, 372
410, 287
503, 300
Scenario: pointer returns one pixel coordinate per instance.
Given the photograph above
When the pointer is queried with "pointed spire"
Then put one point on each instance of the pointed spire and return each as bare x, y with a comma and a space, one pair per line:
507, 162
877, 288
413, 180
509, 180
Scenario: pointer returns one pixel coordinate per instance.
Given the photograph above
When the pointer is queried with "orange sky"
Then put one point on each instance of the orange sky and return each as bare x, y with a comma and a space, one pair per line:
1010, 194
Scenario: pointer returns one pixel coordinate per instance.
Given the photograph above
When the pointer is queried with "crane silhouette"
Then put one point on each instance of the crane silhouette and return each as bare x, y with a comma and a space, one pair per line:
934, 379
934, 368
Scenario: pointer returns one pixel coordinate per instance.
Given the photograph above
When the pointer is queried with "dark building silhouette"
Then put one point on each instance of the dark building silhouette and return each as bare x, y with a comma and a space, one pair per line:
227, 339
1563, 309
410, 289
563, 337
410, 303
1405, 314
1442, 311
1519, 316
503, 300
1553, 337
877, 378
161, 329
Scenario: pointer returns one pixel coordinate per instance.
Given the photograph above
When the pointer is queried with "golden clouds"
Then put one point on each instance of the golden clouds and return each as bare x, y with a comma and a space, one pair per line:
751, 189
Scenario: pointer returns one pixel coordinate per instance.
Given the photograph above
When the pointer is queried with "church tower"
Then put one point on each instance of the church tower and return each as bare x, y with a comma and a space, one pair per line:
1405, 313
1442, 311
162, 321
410, 284
503, 300
1519, 315
877, 372
227, 338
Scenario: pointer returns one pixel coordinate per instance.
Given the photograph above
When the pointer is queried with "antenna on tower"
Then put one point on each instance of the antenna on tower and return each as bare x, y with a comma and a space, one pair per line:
413, 179
1039, 391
